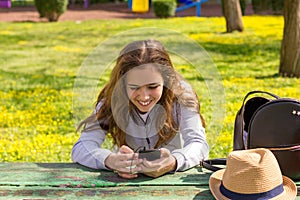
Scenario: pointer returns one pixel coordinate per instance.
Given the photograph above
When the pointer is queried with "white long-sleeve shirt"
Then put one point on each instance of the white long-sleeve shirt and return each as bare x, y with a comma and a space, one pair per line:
188, 146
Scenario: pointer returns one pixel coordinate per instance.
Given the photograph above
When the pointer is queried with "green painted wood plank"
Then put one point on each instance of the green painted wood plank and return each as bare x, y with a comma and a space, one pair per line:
116, 193
73, 181
74, 175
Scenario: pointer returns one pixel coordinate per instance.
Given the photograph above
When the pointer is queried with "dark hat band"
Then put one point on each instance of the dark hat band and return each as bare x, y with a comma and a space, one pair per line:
256, 196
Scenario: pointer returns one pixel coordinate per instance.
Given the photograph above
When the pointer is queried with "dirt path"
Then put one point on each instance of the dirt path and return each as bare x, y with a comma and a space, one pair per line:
101, 11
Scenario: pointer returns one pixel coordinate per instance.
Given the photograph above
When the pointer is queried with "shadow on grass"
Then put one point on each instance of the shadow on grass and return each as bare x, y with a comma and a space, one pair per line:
244, 49
28, 81
276, 75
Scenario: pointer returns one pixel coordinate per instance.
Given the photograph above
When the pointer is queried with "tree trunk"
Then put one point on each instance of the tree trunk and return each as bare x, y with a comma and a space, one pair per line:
233, 15
290, 47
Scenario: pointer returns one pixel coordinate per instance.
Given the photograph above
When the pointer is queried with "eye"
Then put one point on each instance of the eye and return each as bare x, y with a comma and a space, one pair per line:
152, 87
133, 88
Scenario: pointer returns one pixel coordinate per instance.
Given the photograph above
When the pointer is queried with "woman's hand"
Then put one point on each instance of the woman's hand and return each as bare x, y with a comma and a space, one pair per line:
158, 167
125, 162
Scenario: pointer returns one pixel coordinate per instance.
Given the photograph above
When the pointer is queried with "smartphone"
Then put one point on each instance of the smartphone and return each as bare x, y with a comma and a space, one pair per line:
150, 155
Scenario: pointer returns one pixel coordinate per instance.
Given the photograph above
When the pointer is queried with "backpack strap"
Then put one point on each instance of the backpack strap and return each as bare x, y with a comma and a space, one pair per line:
261, 92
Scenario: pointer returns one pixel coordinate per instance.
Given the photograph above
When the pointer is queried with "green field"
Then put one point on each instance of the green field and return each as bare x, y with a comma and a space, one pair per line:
42, 79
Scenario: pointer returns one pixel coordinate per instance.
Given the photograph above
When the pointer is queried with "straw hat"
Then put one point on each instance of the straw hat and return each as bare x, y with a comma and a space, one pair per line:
251, 174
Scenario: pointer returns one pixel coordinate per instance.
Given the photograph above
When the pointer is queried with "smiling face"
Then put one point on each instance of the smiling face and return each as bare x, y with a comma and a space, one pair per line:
144, 86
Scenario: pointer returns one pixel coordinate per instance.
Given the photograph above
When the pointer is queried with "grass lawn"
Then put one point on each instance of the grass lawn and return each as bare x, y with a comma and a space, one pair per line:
46, 87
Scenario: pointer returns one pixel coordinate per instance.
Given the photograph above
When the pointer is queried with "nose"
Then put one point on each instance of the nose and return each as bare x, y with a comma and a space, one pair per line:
144, 93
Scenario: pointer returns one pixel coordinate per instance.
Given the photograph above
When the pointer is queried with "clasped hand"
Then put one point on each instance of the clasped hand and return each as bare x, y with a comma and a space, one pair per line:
127, 164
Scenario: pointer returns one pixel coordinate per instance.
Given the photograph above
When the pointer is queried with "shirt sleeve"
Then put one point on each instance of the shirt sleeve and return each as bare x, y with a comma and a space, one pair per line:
87, 150
195, 147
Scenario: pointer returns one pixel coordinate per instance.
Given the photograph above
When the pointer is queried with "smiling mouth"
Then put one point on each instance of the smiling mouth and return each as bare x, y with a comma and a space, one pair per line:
144, 103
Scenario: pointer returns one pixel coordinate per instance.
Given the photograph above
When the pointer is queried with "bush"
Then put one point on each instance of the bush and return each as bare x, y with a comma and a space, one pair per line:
164, 8
261, 6
51, 9
268, 6
277, 6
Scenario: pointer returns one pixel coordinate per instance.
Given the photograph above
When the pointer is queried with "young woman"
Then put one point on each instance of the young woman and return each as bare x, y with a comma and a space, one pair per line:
145, 105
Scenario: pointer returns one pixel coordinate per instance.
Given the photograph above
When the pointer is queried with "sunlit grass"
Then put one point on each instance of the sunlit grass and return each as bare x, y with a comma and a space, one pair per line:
39, 64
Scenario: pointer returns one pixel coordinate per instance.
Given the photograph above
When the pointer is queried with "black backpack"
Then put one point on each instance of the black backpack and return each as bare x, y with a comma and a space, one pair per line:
268, 123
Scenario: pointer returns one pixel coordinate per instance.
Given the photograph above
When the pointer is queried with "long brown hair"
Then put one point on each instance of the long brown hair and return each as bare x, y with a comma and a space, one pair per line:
113, 94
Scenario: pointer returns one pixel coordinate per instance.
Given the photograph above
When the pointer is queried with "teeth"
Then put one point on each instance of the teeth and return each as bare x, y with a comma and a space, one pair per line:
145, 103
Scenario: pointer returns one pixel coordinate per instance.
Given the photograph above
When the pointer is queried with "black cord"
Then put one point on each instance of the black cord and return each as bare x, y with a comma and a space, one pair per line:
148, 142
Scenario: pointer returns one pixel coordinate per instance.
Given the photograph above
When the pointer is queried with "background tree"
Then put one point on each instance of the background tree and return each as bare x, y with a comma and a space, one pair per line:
233, 15
290, 47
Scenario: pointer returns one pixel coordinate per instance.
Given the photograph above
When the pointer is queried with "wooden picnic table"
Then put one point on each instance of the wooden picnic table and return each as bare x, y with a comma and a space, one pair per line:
73, 181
